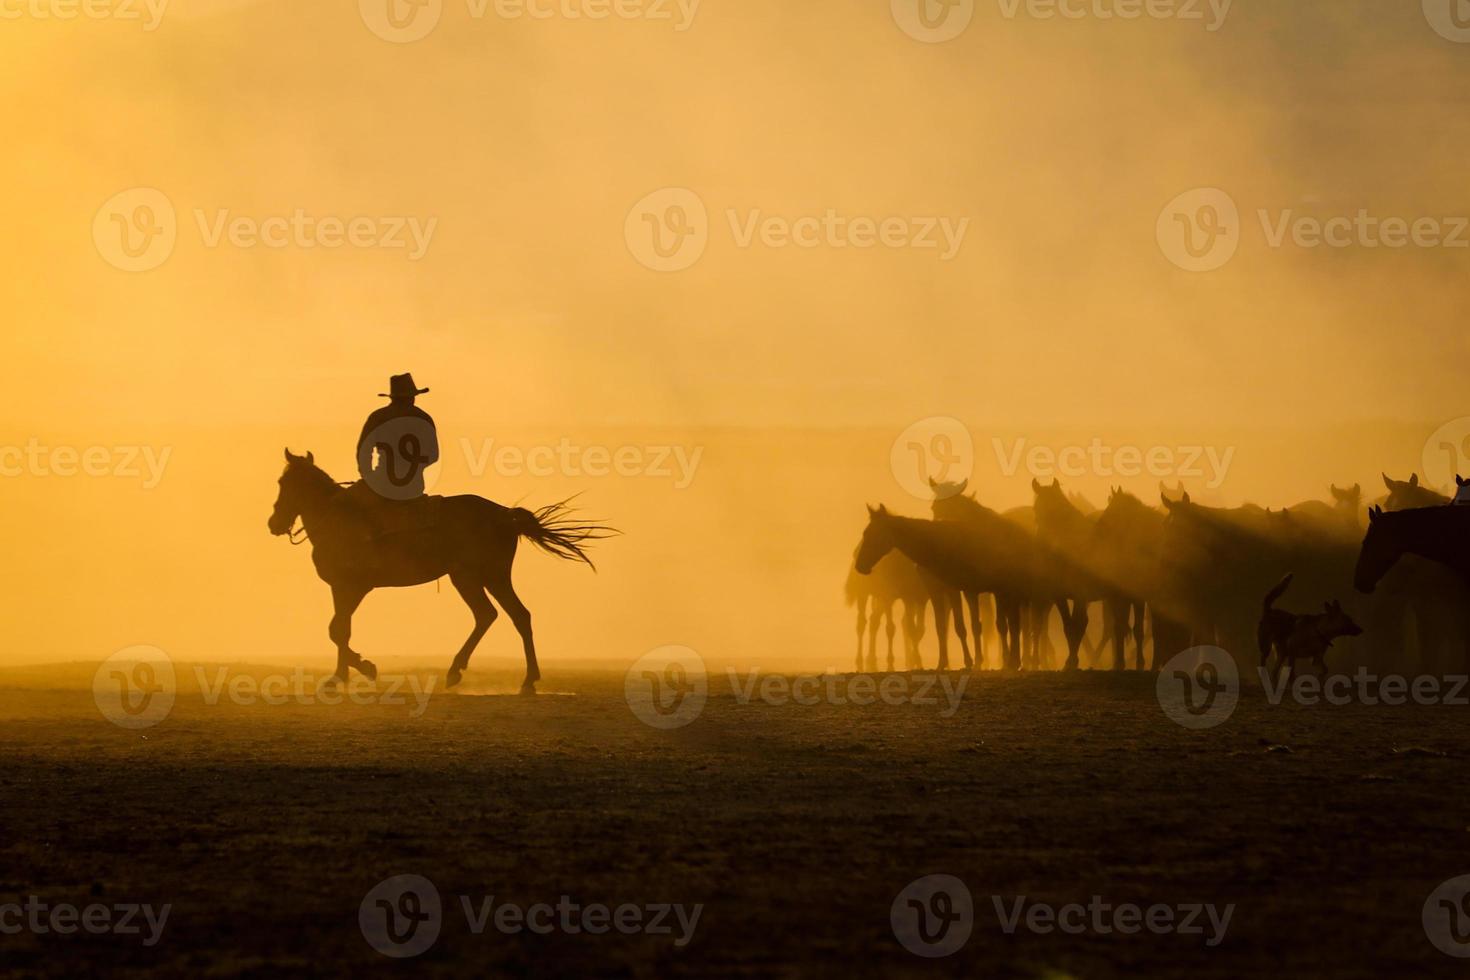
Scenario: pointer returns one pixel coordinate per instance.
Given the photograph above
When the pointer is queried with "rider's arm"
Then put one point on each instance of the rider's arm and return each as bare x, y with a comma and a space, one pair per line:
365, 449
431, 447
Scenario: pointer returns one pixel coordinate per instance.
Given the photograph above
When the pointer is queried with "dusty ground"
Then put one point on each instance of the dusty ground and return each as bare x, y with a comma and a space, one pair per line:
796, 826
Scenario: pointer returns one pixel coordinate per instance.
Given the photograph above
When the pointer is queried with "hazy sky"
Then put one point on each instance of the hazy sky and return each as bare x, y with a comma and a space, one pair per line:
518, 149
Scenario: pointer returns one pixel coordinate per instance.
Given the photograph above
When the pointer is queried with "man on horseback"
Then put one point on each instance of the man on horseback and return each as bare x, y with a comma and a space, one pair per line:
398, 442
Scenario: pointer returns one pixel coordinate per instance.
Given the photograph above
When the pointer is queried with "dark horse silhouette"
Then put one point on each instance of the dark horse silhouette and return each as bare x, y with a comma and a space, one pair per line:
473, 542
1441, 534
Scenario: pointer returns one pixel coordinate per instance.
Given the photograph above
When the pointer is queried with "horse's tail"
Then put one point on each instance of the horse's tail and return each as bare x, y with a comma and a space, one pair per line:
551, 529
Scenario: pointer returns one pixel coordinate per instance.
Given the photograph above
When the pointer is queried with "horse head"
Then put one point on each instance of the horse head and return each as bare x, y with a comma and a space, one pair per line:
877, 540
1381, 549
295, 494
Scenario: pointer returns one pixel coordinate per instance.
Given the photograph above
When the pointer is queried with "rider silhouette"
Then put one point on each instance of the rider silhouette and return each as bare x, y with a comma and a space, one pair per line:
398, 442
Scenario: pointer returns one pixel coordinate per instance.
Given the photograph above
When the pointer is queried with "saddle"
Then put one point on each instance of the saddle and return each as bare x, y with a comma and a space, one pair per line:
389, 516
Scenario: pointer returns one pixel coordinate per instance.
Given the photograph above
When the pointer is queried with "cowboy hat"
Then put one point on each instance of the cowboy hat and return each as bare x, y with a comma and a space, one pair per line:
402, 386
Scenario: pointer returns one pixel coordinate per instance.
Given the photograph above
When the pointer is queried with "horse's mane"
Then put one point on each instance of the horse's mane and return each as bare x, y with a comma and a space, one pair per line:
312, 474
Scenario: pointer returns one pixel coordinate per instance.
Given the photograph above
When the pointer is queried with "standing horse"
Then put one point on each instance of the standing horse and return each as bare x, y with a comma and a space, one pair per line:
895, 579
1130, 537
473, 542
1439, 534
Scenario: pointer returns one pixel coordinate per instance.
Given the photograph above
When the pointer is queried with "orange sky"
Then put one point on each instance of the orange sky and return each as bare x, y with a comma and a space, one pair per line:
517, 146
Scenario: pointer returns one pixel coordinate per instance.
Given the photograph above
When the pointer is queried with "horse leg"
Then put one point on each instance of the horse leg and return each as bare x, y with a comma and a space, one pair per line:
1138, 614
345, 600
505, 594
889, 628
941, 627
483, 609
874, 620
958, 601
862, 627
917, 625
972, 599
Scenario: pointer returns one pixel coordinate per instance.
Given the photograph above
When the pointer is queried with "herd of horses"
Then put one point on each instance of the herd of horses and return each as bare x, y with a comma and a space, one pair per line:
1169, 576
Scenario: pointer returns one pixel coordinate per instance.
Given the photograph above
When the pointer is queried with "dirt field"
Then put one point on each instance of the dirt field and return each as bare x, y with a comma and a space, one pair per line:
796, 827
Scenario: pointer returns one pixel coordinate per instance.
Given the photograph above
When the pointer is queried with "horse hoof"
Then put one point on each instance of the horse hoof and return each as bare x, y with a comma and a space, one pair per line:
529, 687
368, 669
453, 678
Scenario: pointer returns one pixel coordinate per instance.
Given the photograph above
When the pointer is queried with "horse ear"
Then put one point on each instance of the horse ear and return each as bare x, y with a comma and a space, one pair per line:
1387, 482
933, 485
1357, 490
1181, 486
1413, 479
1460, 481
871, 511
1168, 504
1035, 485
310, 458
289, 457
1184, 499
964, 484
1374, 513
